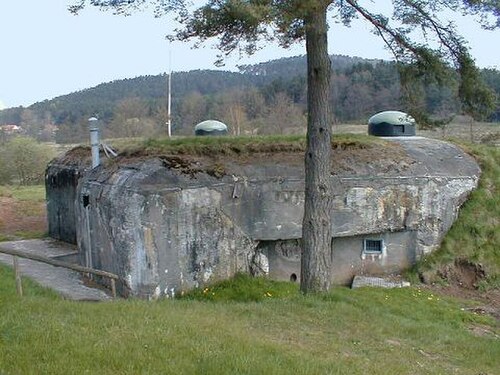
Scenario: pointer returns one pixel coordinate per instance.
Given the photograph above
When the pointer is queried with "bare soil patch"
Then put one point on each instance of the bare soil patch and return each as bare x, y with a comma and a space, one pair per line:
463, 273
485, 302
462, 280
18, 219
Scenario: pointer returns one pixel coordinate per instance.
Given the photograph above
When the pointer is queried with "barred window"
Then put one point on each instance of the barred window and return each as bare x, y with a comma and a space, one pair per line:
373, 246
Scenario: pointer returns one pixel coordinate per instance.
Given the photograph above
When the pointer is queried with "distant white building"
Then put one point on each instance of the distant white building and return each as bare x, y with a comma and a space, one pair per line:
10, 129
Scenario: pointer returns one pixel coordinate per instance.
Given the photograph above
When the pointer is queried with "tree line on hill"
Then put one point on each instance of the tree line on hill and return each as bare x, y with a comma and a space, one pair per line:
266, 98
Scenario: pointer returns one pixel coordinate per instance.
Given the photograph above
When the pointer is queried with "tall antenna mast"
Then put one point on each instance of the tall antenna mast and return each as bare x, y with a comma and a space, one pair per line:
169, 97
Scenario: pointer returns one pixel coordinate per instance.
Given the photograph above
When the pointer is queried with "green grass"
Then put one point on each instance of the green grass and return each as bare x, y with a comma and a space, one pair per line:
23, 235
30, 234
237, 145
243, 288
35, 193
4, 237
475, 235
365, 331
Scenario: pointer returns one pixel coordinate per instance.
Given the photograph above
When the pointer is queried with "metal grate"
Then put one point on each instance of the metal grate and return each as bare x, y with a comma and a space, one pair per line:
373, 246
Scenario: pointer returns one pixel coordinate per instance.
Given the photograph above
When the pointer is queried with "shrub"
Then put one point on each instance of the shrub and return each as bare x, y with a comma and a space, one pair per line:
23, 161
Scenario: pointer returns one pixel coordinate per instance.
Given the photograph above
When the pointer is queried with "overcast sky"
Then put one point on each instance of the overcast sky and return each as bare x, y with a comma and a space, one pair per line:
47, 52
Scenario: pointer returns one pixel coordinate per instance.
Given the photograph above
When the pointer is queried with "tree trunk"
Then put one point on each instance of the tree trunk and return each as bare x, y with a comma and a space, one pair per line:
316, 226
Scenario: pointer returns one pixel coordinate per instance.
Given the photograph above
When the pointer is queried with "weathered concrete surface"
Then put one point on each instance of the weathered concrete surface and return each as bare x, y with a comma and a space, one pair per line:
364, 281
167, 225
65, 282
61, 179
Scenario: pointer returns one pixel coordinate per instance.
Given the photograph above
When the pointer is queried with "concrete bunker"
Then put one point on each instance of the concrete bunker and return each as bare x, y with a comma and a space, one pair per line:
166, 226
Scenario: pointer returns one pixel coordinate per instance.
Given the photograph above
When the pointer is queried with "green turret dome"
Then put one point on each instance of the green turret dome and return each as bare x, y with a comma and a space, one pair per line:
391, 124
210, 127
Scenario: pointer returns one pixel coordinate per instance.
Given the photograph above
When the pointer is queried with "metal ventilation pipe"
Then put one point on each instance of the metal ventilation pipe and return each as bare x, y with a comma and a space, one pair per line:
94, 140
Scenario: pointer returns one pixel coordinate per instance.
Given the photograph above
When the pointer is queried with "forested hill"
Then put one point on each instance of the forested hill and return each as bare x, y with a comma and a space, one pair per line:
294, 66
263, 98
103, 98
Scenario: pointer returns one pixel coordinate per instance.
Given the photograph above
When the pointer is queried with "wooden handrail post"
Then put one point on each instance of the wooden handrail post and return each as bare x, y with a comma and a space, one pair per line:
113, 288
17, 276
56, 263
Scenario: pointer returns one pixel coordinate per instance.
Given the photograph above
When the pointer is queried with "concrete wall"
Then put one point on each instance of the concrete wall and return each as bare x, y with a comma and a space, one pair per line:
161, 240
60, 186
348, 256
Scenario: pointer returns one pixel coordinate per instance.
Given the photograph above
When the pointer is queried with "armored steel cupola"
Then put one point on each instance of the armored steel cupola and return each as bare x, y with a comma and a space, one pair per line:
391, 124
210, 127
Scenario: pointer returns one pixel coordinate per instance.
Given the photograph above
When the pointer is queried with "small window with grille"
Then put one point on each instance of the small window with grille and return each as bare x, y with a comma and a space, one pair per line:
373, 246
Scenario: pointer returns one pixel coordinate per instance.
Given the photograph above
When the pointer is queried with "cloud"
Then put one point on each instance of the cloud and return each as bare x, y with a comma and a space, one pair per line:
2, 105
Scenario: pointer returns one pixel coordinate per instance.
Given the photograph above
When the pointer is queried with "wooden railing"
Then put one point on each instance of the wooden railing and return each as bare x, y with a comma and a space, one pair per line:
56, 263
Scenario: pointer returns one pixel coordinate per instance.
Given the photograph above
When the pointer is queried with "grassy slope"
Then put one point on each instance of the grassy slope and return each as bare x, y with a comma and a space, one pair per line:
405, 331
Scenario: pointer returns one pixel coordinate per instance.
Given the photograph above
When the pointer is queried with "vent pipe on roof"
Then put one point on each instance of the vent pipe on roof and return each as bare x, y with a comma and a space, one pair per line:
94, 140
